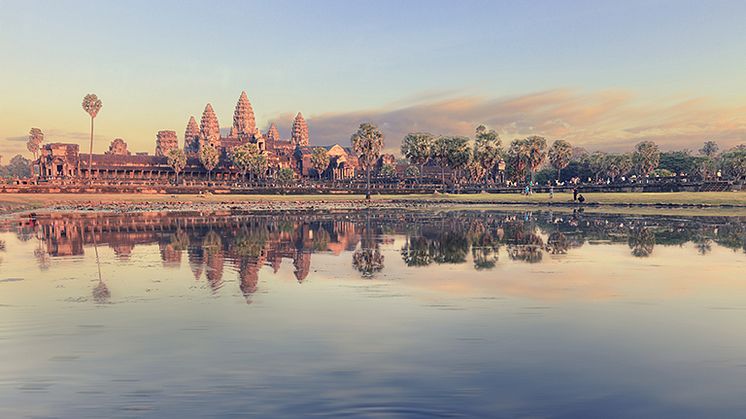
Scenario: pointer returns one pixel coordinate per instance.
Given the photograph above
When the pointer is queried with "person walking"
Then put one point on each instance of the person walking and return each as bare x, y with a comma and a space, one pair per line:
575, 193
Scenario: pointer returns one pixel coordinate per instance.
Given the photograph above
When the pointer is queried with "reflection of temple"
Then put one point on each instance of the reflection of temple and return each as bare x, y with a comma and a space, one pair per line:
245, 243
64, 161
219, 244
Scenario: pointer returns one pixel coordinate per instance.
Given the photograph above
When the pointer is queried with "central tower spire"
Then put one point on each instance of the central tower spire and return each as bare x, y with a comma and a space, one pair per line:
243, 117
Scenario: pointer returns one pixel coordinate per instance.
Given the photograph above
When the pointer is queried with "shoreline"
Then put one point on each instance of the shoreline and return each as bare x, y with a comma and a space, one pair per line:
698, 203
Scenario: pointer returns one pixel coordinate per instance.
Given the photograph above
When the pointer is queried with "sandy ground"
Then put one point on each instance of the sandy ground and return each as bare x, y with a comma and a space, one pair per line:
704, 198
691, 203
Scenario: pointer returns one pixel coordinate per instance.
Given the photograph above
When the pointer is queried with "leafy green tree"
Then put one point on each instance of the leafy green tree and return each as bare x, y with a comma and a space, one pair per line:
709, 149
451, 152
616, 165
388, 171
678, 162
706, 165
559, 156
625, 163
177, 160
417, 148
439, 154
459, 155
733, 163
243, 156
487, 150
284, 175
320, 160
367, 143
258, 166
209, 157
597, 162
35, 139
18, 167
646, 157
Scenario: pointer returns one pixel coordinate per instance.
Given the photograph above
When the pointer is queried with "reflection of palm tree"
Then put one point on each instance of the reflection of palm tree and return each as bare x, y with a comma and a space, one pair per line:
451, 247
42, 258
525, 252
484, 251
101, 292
368, 261
557, 243
703, 244
523, 242
417, 251
732, 236
641, 241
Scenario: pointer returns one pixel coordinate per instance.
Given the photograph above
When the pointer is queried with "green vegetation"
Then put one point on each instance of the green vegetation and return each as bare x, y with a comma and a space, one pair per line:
209, 157
367, 143
177, 161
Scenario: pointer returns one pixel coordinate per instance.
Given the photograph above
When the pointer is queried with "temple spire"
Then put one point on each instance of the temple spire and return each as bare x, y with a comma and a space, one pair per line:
273, 135
191, 136
244, 123
300, 131
209, 128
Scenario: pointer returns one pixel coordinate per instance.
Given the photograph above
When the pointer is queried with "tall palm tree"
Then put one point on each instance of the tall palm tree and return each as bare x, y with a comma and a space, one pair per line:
367, 143
536, 153
560, 154
487, 150
91, 104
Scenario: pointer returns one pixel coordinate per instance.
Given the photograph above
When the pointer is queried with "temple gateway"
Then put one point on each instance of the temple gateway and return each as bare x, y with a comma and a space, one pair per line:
65, 162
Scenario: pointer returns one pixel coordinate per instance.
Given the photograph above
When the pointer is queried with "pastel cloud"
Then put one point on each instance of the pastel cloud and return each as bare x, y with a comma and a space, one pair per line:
607, 120
611, 120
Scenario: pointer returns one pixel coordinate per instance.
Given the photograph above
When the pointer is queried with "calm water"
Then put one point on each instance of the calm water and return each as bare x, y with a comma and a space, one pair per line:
488, 314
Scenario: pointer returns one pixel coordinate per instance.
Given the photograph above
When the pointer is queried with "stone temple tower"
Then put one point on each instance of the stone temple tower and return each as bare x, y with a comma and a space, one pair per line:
272, 136
300, 131
244, 124
164, 142
209, 129
191, 137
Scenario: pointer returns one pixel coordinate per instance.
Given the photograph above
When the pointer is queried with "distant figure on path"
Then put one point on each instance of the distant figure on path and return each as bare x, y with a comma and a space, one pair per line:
581, 198
551, 191
575, 193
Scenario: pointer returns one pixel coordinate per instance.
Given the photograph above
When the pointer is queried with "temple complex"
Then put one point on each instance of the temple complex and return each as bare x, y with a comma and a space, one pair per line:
61, 161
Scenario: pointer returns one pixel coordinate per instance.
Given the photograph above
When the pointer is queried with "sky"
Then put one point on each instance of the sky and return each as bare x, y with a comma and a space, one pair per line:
601, 74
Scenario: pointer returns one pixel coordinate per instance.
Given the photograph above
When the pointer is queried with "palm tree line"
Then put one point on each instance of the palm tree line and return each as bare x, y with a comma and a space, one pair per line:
532, 160
480, 160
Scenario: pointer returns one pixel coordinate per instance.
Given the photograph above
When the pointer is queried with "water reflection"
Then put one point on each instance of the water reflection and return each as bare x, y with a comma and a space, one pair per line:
247, 242
462, 313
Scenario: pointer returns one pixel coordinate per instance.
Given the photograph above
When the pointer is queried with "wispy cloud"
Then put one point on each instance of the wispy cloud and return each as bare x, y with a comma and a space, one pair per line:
607, 120
17, 144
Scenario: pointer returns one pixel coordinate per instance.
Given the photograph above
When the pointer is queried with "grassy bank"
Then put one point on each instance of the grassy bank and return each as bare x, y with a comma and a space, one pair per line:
671, 198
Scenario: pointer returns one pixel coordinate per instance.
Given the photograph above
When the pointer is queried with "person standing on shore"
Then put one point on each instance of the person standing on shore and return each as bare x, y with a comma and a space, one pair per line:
575, 193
